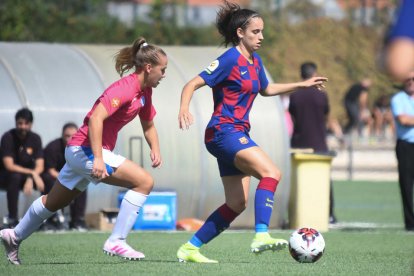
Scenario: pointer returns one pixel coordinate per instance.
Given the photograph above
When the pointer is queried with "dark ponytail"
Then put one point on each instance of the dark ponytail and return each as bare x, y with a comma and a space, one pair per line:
230, 17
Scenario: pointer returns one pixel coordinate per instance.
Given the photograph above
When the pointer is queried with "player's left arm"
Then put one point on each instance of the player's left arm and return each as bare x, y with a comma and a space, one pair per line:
274, 89
151, 136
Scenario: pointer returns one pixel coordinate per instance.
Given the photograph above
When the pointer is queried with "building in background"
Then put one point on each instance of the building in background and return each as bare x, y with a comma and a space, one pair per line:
368, 12
200, 13
195, 13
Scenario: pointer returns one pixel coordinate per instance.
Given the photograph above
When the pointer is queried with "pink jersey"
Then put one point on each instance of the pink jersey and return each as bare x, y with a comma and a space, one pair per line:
123, 100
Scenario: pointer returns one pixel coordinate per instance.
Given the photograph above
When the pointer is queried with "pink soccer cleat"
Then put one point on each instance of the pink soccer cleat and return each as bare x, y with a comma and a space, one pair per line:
123, 250
11, 244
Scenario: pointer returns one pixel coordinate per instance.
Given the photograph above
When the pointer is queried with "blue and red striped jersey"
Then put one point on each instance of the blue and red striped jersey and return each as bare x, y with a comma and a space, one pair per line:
235, 83
404, 23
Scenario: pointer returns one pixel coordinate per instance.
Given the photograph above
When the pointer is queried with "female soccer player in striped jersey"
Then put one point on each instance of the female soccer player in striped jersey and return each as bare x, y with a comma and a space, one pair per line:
236, 78
399, 53
89, 156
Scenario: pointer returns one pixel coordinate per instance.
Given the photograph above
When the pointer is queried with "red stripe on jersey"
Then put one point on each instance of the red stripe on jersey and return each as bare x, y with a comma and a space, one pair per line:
218, 110
234, 74
252, 70
209, 136
226, 120
246, 86
231, 98
242, 61
239, 112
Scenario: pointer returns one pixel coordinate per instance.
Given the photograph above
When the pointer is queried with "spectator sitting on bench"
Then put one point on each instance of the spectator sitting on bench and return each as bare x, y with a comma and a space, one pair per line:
22, 162
54, 155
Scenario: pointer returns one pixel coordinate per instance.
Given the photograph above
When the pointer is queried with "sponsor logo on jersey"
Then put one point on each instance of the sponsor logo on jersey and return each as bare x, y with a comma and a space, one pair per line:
115, 102
243, 140
213, 66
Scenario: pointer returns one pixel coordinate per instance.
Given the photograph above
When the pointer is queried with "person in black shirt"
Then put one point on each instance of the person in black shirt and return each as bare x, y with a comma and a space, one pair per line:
309, 108
22, 162
356, 105
54, 155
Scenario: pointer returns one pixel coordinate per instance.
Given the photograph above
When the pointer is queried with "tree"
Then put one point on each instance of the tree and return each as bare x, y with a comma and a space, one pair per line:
58, 21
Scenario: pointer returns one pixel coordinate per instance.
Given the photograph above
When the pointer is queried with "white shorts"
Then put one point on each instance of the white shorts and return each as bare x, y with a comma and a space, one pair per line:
76, 173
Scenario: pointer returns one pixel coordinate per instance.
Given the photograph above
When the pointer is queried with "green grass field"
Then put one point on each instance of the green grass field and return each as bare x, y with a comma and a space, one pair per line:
378, 245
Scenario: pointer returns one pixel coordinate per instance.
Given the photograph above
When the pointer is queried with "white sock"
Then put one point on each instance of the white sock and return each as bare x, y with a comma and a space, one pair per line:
128, 213
32, 220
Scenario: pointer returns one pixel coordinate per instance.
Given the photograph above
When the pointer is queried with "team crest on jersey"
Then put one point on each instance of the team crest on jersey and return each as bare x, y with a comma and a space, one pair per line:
29, 151
213, 66
142, 100
243, 140
115, 102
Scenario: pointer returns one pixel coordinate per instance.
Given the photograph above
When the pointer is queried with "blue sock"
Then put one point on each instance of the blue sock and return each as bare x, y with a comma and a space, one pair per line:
261, 228
196, 241
216, 223
263, 207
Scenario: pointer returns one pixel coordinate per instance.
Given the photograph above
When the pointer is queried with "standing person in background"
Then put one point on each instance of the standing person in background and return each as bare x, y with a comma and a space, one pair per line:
22, 162
236, 78
309, 108
89, 156
402, 106
356, 105
54, 155
399, 54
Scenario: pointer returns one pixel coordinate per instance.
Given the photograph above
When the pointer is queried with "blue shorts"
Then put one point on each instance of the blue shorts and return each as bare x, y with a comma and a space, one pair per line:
225, 147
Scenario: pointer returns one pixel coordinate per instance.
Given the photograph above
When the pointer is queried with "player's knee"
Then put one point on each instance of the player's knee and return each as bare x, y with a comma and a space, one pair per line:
274, 173
145, 184
238, 205
277, 175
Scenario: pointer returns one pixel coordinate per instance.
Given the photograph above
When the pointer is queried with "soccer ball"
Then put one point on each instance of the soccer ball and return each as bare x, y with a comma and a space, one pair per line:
306, 245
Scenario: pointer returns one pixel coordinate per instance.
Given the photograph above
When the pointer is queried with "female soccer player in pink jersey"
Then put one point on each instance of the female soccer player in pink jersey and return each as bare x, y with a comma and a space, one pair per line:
236, 78
89, 156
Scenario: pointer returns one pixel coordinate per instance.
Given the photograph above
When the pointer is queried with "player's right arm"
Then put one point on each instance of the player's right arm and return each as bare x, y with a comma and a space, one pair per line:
95, 138
185, 118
